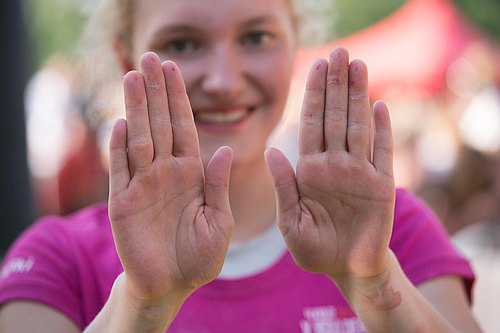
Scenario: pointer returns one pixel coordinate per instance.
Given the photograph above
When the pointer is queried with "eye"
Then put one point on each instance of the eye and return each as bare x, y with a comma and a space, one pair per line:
181, 46
256, 39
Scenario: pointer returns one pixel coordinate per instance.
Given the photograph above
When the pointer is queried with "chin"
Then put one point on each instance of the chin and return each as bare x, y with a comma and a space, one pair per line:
241, 158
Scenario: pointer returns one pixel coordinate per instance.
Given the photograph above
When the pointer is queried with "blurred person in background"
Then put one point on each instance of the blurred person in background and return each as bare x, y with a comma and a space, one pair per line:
63, 153
473, 192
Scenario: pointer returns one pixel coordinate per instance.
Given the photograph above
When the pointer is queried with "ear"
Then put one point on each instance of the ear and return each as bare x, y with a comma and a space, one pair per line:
122, 54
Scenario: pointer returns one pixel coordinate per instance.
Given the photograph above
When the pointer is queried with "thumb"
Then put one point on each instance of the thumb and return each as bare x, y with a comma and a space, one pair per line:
285, 187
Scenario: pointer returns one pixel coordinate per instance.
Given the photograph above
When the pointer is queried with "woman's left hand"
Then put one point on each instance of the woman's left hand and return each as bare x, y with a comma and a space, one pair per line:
336, 212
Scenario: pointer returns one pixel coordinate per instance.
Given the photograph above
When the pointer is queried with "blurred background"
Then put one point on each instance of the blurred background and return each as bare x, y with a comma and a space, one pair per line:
435, 62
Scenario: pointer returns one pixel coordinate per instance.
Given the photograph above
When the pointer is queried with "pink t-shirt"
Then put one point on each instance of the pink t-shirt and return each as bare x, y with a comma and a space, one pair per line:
70, 264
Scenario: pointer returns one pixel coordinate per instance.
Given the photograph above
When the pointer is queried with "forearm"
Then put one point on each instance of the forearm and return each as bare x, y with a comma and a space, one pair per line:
123, 313
390, 303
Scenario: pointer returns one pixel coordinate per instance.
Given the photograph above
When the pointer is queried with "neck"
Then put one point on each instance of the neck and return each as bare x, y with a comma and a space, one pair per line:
252, 198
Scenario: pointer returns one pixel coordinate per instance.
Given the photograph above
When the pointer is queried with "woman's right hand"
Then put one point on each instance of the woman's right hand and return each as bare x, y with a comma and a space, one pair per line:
171, 219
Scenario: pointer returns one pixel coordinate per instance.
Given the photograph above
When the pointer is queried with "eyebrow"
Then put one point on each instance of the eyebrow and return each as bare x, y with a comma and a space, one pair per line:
260, 20
174, 28
192, 28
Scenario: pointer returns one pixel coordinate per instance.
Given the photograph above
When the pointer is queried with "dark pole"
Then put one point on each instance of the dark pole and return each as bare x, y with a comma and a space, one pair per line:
16, 210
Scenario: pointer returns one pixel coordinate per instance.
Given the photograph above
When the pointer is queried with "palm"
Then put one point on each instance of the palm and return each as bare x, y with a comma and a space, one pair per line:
341, 206
171, 220
338, 218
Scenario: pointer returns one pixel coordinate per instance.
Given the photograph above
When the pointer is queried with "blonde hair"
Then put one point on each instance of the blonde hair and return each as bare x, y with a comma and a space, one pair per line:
111, 19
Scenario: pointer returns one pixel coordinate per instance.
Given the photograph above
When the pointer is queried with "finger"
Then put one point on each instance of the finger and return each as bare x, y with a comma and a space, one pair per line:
156, 93
359, 116
119, 175
285, 187
185, 137
217, 182
139, 142
336, 100
383, 141
311, 136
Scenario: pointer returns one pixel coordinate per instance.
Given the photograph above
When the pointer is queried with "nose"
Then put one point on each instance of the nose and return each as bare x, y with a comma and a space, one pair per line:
224, 74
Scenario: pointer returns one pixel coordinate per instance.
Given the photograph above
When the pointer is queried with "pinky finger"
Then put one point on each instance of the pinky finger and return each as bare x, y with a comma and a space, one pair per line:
119, 174
383, 142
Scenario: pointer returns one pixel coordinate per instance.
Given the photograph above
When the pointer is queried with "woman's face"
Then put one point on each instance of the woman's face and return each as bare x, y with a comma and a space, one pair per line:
236, 58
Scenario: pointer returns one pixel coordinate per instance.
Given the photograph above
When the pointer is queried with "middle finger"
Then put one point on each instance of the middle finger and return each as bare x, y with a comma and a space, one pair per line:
156, 93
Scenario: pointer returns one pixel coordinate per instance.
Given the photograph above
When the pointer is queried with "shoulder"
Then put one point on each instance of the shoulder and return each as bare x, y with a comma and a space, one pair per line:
54, 238
60, 244
63, 231
57, 257
422, 244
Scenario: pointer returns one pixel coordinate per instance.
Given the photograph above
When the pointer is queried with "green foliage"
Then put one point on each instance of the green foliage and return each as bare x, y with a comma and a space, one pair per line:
354, 15
53, 26
485, 14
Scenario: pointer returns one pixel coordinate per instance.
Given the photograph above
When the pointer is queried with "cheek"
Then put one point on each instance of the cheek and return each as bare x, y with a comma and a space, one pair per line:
276, 77
191, 72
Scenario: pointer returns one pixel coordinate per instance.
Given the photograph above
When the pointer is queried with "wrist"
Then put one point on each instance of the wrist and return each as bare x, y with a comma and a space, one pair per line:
125, 312
148, 299
378, 291
388, 302
164, 306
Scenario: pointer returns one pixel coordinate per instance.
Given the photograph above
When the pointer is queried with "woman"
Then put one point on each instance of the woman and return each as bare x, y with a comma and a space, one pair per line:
188, 177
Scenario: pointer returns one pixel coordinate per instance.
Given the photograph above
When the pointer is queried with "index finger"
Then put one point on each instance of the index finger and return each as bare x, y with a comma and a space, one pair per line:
139, 140
311, 132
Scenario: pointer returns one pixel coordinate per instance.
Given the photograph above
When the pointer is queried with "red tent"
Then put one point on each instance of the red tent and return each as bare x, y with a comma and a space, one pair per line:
410, 49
